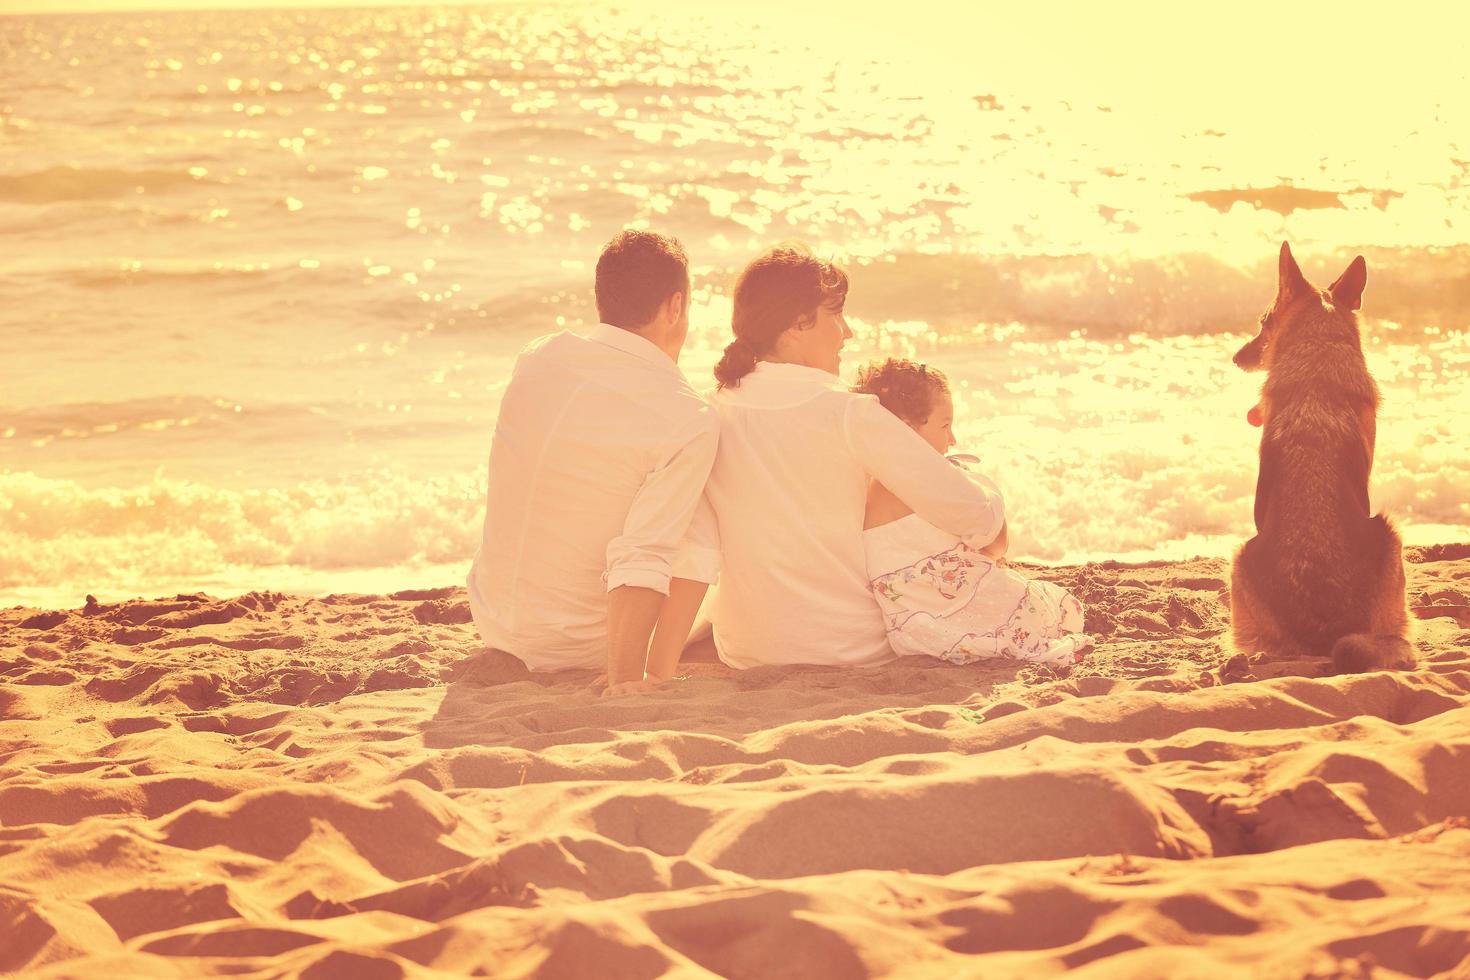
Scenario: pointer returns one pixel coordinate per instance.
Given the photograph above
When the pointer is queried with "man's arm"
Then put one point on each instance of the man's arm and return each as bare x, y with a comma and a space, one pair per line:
631, 615
640, 561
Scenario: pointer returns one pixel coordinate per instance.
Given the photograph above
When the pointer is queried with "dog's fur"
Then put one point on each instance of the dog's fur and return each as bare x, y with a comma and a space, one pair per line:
1321, 577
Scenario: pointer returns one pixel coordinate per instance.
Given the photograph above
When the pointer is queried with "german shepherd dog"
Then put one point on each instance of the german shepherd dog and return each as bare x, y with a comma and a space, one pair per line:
1321, 578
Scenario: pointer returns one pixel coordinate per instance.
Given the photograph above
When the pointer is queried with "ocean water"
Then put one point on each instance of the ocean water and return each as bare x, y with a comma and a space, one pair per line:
263, 274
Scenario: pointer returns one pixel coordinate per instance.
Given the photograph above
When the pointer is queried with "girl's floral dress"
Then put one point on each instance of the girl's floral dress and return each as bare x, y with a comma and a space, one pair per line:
942, 598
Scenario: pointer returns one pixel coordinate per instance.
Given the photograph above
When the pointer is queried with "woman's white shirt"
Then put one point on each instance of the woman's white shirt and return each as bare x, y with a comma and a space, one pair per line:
781, 522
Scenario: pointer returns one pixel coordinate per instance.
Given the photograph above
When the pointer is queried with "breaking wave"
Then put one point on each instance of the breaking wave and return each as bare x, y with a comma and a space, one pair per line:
62, 536
1187, 294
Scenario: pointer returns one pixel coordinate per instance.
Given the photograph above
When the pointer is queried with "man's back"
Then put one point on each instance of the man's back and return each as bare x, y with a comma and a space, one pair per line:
600, 451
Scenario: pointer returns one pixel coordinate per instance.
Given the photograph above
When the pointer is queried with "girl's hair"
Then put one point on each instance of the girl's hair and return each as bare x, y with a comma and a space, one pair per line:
783, 284
905, 388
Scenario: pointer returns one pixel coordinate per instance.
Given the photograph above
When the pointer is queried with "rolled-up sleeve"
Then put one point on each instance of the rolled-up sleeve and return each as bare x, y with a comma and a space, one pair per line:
941, 493
644, 554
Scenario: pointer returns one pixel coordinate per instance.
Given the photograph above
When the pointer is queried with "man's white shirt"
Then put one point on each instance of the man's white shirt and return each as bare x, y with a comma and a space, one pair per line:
600, 455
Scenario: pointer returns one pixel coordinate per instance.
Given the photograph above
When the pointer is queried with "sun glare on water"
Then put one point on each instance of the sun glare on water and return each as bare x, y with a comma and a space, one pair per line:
269, 268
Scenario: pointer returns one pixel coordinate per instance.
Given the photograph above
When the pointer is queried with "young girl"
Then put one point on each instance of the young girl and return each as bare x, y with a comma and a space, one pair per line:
940, 595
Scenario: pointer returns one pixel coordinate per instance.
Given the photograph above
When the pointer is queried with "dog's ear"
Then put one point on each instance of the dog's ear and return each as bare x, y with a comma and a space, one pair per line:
1290, 281
1348, 290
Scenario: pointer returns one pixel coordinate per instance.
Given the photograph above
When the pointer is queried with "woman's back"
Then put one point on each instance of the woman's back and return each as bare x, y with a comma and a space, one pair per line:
788, 494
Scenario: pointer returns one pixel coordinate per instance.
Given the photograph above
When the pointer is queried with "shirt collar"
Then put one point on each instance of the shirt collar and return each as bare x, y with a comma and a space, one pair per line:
774, 385
631, 343
796, 375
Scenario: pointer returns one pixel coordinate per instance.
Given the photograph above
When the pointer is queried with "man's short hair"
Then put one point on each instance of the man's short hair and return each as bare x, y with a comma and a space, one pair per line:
637, 272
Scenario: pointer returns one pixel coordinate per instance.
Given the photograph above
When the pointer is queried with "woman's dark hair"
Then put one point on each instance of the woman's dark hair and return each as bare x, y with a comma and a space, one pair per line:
783, 284
636, 273
905, 388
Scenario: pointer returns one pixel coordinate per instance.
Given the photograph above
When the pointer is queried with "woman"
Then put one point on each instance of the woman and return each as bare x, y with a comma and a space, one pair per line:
782, 517
939, 596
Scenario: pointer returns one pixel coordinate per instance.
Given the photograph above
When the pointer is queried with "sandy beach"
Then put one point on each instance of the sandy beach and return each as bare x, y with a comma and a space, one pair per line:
272, 786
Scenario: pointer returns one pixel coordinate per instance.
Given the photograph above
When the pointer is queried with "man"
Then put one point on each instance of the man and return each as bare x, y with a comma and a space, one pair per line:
600, 454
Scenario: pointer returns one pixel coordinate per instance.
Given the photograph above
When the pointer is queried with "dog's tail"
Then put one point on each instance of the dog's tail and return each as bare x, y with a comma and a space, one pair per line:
1376, 648
1358, 652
